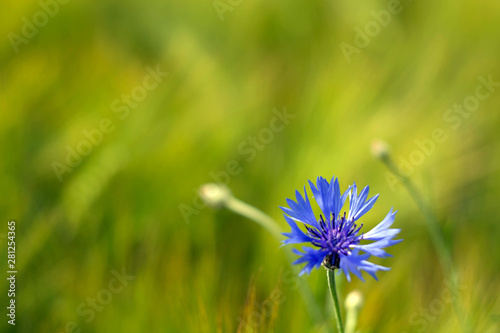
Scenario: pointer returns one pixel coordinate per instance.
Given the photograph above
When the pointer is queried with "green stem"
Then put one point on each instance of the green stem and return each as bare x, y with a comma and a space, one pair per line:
429, 218
436, 235
255, 215
351, 321
252, 213
333, 290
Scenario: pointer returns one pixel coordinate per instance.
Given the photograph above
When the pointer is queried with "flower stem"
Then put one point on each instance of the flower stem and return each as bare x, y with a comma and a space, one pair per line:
217, 196
436, 235
270, 225
255, 215
333, 290
429, 217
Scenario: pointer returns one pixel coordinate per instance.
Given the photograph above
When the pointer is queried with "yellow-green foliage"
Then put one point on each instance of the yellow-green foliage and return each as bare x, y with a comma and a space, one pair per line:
120, 208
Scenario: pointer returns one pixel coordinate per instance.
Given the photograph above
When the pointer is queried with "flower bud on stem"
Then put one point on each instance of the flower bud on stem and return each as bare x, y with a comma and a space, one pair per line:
380, 150
353, 303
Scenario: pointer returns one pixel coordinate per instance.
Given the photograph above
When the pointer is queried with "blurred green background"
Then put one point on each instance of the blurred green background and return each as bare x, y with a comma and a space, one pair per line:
121, 207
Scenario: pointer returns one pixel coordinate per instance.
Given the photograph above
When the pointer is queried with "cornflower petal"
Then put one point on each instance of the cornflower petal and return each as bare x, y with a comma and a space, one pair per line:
382, 230
301, 210
297, 235
312, 257
323, 195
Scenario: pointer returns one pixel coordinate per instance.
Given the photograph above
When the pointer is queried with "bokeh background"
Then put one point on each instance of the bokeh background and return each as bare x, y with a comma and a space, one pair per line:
121, 207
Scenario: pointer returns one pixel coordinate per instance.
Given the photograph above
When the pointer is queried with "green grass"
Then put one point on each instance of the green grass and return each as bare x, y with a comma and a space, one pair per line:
120, 207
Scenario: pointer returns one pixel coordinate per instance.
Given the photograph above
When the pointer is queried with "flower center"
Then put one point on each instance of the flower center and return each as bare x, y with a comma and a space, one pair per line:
335, 237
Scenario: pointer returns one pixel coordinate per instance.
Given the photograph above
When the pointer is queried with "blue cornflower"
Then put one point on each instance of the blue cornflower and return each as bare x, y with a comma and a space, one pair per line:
335, 236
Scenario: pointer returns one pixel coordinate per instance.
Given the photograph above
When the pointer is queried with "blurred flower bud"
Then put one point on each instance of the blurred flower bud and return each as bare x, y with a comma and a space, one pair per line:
379, 149
214, 195
354, 300
353, 303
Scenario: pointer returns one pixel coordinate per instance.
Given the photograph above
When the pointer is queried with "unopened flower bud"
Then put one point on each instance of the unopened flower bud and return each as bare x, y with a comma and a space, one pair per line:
354, 300
214, 195
380, 149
